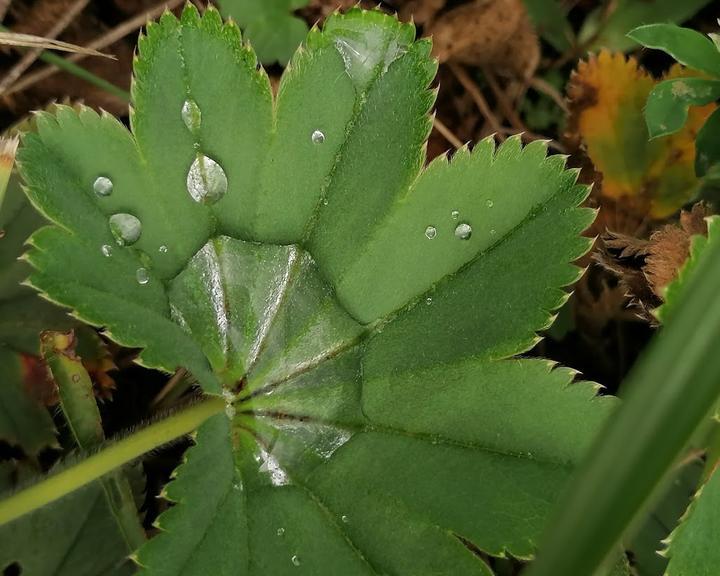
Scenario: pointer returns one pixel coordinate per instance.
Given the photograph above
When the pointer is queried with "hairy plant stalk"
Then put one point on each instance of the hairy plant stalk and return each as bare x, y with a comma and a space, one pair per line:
114, 455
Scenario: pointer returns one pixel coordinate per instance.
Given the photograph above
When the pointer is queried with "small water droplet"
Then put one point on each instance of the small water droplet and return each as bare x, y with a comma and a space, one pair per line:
142, 276
428, 300
237, 486
345, 519
489, 203
126, 228
106, 250
206, 180
76, 378
430, 232
455, 214
163, 249
230, 411
103, 186
493, 232
191, 115
325, 201
295, 560
280, 531
317, 137
463, 231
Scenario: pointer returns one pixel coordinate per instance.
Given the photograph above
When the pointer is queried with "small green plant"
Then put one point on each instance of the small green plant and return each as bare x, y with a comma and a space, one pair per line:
667, 106
352, 317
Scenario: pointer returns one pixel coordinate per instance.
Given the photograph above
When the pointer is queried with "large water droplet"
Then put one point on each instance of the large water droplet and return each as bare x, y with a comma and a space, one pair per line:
142, 276
463, 231
191, 115
206, 180
126, 228
106, 250
103, 186
317, 137
430, 232
295, 560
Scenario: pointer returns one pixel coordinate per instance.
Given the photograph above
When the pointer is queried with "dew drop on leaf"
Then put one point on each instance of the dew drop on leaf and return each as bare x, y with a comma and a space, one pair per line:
430, 232
191, 115
295, 560
455, 214
106, 250
489, 203
463, 231
493, 232
142, 276
280, 531
103, 186
163, 249
345, 519
206, 180
428, 300
317, 137
126, 228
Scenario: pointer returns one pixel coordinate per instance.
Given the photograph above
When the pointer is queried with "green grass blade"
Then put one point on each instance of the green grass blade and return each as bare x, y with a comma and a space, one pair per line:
670, 391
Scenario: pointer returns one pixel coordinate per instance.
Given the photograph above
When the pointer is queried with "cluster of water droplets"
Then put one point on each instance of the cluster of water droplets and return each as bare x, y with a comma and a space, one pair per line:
463, 230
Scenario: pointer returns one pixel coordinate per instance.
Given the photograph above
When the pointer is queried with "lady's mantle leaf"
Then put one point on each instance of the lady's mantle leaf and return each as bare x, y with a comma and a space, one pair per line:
359, 312
608, 94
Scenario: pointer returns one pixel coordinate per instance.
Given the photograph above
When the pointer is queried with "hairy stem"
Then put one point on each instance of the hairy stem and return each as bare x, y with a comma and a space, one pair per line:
113, 456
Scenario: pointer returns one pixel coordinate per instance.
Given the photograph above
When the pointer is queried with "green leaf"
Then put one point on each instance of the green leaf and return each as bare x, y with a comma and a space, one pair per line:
269, 25
611, 31
638, 446
23, 422
359, 312
23, 315
662, 518
690, 48
90, 531
707, 145
60, 539
550, 20
675, 291
668, 103
692, 547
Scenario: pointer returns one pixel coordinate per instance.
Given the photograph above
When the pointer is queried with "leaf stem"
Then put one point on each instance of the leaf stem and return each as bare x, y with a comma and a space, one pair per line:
113, 456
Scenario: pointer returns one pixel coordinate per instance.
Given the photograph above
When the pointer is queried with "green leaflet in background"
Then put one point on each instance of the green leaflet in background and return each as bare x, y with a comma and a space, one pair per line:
272, 29
629, 14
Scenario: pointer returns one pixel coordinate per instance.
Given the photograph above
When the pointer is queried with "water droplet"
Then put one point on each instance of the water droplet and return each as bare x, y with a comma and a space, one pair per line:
230, 411
345, 519
126, 228
106, 250
489, 203
317, 137
428, 300
463, 231
191, 115
295, 560
206, 180
280, 531
493, 232
430, 232
325, 202
237, 486
455, 214
142, 276
103, 186
76, 378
